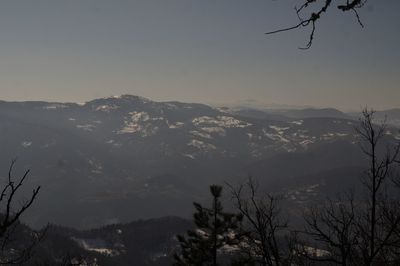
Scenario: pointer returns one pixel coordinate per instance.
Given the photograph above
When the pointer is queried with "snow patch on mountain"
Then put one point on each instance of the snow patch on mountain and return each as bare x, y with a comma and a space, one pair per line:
332, 135
107, 108
277, 137
175, 125
136, 123
201, 145
221, 121
26, 144
278, 129
191, 156
139, 116
306, 143
200, 134
298, 122
279, 134
96, 245
128, 97
86, 127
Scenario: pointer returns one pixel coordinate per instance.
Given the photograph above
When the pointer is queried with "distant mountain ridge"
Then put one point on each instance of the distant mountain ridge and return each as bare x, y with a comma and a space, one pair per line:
391, 116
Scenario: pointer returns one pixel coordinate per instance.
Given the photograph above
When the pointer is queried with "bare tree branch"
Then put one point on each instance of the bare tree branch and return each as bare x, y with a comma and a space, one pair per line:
315, 15
265, 224
9, 218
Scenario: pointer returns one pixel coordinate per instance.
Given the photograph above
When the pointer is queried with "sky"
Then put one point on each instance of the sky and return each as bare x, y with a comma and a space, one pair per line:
210, 51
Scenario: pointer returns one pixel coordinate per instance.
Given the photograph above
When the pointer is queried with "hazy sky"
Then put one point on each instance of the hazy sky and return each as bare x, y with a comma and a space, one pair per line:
198, 51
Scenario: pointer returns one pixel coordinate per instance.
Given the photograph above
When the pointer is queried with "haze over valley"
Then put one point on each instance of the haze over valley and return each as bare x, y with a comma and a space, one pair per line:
118, 159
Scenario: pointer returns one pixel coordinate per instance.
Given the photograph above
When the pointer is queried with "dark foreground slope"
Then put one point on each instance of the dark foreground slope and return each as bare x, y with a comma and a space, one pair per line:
140, 243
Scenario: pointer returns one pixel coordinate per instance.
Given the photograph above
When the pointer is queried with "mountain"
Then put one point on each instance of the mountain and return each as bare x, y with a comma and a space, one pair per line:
390, 116
287, 114
314, 112
122, 158
255, 113
144, 242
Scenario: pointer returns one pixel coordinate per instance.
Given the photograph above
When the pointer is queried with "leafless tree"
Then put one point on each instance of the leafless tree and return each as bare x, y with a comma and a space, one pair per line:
332, 227
265, 225
363, 232
311, 11
12, 253
380, 218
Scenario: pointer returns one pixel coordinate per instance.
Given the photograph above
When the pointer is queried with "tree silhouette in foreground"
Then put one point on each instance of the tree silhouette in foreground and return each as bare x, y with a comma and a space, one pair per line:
379, 219
215, 229
363, 231
268, 238
311, 11
331, 232
360, 227
10, 227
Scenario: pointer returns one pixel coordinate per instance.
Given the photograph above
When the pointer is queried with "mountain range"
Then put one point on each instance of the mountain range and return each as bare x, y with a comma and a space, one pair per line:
117, 159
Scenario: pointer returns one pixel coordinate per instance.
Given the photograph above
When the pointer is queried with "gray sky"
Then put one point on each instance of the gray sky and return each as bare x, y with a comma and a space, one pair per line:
197, 51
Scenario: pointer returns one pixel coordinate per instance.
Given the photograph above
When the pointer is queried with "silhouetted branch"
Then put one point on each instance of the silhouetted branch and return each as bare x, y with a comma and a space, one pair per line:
265, 224
9, 219
315, 16
333, 226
